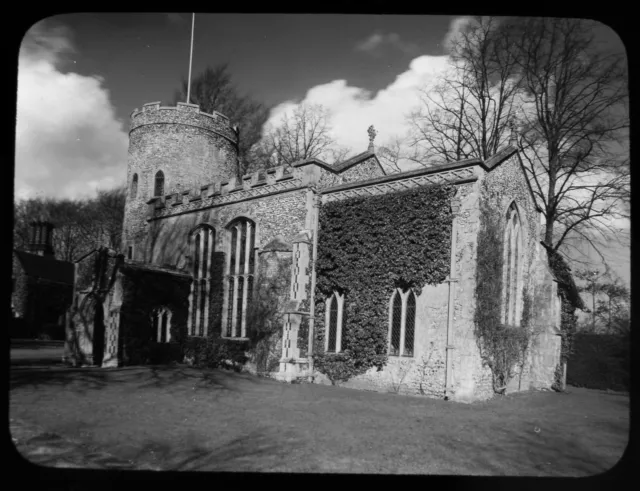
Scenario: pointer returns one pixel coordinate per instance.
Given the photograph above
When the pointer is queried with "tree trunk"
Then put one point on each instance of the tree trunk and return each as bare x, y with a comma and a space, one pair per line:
593, 310
550, 215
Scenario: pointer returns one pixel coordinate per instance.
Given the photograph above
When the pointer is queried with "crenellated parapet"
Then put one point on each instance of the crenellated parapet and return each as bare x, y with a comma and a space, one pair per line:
257, 184
184, 114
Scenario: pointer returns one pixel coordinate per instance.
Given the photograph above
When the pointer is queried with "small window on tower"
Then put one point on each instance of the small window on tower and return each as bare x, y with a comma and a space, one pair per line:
159, 187
134, 186
130, 252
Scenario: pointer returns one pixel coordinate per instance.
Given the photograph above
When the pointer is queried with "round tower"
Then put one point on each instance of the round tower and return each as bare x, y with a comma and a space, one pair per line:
171, 149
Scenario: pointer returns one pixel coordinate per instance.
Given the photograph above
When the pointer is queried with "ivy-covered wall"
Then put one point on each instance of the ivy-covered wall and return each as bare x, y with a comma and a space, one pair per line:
366, 248
144, 290
502, 186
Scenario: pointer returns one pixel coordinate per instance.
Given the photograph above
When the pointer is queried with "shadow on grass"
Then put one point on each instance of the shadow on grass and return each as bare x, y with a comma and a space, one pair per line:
35, 344
162, 377
255, 451
44, 361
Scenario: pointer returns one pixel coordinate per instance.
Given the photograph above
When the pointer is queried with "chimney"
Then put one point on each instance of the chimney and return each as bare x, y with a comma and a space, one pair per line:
41, 238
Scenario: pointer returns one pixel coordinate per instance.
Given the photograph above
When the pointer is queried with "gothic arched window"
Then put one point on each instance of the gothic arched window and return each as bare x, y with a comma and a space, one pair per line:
334, 318
402, 323
512, 267
240, 275
161, 322
134, 186
158, 189
202, 246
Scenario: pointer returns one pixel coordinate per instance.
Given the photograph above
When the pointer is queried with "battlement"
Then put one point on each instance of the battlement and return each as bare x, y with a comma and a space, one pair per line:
183, 114
258, 183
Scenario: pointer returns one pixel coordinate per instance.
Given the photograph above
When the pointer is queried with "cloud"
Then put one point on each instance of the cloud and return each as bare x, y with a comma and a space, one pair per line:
68, 139
456, 28
376, 41
353, 109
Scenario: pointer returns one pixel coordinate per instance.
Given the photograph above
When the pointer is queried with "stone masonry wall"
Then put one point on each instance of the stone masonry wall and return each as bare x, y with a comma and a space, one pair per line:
424, 373
276, 215
545, 352
470, 380
363, 171
367, 169
505, 184
191, 148
280, 215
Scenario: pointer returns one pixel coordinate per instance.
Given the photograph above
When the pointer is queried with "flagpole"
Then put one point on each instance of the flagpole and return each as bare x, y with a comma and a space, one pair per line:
193, 21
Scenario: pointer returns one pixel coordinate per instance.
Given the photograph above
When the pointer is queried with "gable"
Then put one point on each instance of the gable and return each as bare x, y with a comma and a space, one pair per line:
360, 168
505, 155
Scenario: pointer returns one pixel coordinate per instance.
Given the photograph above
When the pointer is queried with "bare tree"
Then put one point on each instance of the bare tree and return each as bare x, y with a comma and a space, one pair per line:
396, 151
213, 90
303, 134
468, 112
592, 286
107, 213
80, 225
609, 300
567, 98
573, 138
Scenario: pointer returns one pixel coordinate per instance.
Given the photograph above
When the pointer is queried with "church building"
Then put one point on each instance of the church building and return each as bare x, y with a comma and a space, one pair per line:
199, 242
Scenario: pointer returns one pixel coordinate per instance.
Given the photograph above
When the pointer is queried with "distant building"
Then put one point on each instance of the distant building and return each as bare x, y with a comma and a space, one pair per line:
42, 287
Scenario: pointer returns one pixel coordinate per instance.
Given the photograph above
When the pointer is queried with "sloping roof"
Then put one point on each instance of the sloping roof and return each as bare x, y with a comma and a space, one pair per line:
500, 156
353, 161
406, 174
46, 268
340, 166
277, 244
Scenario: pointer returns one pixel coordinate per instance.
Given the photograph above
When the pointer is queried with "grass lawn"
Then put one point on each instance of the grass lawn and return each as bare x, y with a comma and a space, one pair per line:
186, 418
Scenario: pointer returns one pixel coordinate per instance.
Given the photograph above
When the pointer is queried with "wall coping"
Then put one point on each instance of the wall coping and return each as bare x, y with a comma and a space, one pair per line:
441, 169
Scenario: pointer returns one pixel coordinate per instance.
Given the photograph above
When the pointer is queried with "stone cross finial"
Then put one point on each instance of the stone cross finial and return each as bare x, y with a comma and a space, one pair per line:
372, 134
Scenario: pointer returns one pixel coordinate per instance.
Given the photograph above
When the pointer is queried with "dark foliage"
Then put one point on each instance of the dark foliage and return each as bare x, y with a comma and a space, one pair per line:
366, 248
216, 352
502, 347
600, 361
264, 315
214, 90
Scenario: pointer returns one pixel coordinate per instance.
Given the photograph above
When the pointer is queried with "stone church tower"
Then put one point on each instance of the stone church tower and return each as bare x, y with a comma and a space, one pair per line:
172, 149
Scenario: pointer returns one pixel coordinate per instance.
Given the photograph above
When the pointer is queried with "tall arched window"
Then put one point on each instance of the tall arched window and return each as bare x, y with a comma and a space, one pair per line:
240, 276
202, 246
134, 186
158, 190
334, 318
402, 323
512, 266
